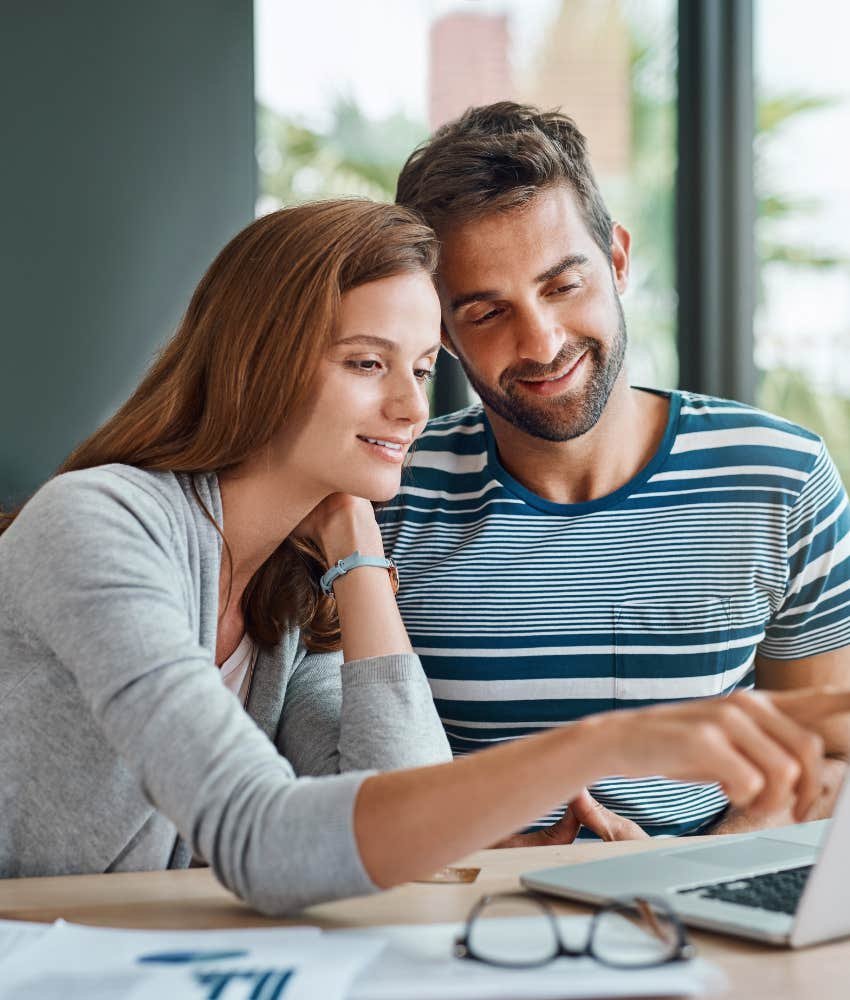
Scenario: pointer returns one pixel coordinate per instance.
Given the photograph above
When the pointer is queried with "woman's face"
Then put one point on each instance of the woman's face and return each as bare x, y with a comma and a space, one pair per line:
371, 397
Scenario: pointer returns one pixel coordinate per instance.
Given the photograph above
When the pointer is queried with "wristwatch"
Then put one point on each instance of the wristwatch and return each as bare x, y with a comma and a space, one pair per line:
343, 566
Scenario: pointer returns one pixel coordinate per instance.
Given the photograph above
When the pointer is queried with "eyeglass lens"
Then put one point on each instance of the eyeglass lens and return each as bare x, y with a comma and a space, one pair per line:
513, 931
634, 934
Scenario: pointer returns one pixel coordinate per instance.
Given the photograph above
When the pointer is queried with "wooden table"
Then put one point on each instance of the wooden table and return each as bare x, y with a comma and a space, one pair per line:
193, 899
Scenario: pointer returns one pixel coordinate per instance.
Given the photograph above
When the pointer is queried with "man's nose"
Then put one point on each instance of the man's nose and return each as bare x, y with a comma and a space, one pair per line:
539, 336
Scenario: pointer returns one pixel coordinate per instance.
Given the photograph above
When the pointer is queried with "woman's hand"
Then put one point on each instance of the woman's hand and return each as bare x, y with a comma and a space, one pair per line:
763, 748
369, 619
761, 753
339, 525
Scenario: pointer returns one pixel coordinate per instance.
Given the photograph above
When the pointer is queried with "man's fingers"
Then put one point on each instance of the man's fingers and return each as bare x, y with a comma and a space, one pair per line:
564, 831
603, 822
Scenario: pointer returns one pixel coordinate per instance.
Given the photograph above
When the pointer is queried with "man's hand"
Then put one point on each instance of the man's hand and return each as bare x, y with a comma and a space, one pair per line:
584, 810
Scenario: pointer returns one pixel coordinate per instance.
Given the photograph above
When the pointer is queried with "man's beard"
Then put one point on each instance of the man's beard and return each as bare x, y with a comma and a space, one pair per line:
558, 418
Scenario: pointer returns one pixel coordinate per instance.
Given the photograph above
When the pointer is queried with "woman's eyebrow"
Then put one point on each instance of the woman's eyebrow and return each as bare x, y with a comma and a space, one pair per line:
382, 342
366, 338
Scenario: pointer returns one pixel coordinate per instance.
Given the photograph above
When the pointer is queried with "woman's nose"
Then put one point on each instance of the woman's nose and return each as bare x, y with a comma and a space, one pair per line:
408, 402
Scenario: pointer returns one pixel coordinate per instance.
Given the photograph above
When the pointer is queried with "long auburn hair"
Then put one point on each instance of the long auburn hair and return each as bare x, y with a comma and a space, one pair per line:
244, 357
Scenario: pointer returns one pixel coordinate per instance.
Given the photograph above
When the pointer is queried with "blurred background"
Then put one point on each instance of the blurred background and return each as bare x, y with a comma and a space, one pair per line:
139, 139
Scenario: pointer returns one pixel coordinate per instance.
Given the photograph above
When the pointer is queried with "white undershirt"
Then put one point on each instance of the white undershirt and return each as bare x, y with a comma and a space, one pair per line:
235, 671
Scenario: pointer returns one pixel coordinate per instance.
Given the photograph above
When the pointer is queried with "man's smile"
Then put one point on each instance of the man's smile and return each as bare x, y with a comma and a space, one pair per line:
553, 385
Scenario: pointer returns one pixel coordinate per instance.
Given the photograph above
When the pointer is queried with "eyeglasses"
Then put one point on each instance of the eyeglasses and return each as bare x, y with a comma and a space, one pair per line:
627, 934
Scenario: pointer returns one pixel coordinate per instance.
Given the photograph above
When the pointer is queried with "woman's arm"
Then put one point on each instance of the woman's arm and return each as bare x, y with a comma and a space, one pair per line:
375, 711
410, 823
372, 714
369, 618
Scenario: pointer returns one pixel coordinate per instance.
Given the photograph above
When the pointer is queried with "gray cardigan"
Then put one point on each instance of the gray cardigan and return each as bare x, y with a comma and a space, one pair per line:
116, 731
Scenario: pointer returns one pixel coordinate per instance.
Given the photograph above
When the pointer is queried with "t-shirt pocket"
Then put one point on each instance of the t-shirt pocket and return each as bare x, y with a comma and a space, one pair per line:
669, 649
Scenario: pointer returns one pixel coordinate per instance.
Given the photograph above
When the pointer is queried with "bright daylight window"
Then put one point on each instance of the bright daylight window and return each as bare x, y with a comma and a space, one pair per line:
346, 90
803, 183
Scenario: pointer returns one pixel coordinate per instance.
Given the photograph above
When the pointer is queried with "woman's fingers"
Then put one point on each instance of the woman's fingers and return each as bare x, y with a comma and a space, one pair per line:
754, 770
787, 755
748, 748
811, 706
777, 735
805, 746
765, 748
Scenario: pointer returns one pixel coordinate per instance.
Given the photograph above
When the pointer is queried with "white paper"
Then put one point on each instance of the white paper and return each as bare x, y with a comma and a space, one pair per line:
71, 962
417, 964
17, 934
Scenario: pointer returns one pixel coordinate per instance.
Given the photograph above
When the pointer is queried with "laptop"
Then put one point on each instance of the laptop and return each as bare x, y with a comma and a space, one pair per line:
788, 886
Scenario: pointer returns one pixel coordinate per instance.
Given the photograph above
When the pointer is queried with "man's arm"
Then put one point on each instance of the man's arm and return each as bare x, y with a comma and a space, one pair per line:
825, 669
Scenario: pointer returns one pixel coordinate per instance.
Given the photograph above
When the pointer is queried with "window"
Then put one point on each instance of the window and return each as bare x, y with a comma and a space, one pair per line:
802, 325
345, 91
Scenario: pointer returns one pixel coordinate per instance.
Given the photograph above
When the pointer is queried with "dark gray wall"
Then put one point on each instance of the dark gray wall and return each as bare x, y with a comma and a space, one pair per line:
126, 162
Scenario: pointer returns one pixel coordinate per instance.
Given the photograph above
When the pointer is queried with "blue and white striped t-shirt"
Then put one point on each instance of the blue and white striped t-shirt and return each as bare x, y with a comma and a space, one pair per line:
527, 613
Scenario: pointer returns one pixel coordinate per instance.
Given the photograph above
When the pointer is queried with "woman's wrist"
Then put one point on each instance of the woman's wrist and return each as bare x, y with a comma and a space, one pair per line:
593, 745
354, 530
342, 544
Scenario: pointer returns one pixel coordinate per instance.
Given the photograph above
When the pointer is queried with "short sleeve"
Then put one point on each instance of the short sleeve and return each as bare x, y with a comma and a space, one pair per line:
814, 616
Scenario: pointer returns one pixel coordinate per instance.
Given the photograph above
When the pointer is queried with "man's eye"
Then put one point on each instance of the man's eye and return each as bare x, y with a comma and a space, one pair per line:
424, 374
564, 288
487, 316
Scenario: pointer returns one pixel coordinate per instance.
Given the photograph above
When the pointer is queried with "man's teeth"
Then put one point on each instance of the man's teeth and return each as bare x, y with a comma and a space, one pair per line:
554, 378
384, 444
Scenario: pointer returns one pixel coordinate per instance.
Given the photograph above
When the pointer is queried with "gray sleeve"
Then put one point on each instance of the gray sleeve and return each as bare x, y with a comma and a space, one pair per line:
374, 714
98, 585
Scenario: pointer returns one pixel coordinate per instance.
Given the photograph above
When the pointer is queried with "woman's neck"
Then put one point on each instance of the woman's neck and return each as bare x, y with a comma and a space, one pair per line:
261, 506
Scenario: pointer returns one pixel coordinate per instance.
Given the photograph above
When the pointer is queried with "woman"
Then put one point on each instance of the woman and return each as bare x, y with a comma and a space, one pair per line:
191, 531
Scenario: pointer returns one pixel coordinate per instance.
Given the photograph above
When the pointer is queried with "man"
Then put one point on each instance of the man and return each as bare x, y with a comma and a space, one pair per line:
575, 544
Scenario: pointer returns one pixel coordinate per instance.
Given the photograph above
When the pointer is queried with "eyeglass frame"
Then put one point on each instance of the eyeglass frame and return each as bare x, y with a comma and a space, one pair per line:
684, 950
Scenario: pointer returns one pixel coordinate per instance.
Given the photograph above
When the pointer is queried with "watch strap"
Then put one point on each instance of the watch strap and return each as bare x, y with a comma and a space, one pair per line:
355, 560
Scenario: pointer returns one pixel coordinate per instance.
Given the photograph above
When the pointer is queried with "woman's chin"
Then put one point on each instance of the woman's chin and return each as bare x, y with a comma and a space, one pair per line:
375, 491
383, 496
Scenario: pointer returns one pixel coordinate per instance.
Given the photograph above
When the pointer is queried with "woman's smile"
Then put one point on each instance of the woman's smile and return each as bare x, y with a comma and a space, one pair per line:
388, 449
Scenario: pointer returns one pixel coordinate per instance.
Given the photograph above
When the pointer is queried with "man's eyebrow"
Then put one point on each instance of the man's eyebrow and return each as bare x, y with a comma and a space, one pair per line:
382, 342
464, 300
564, 264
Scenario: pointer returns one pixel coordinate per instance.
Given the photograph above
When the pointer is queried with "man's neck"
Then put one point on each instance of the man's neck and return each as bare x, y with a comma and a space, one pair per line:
598, 463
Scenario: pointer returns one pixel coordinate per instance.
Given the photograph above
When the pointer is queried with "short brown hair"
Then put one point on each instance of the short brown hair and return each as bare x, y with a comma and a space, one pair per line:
244, 357
497, 157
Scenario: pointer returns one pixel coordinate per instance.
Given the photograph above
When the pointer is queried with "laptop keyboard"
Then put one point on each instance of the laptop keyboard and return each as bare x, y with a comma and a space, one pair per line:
778, 892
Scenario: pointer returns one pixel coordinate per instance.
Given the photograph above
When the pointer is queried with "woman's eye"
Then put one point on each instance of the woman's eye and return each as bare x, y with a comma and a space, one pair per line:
424, 374
365, 365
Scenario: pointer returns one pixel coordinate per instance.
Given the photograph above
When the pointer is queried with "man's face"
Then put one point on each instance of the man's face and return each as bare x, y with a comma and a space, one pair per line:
531, 307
